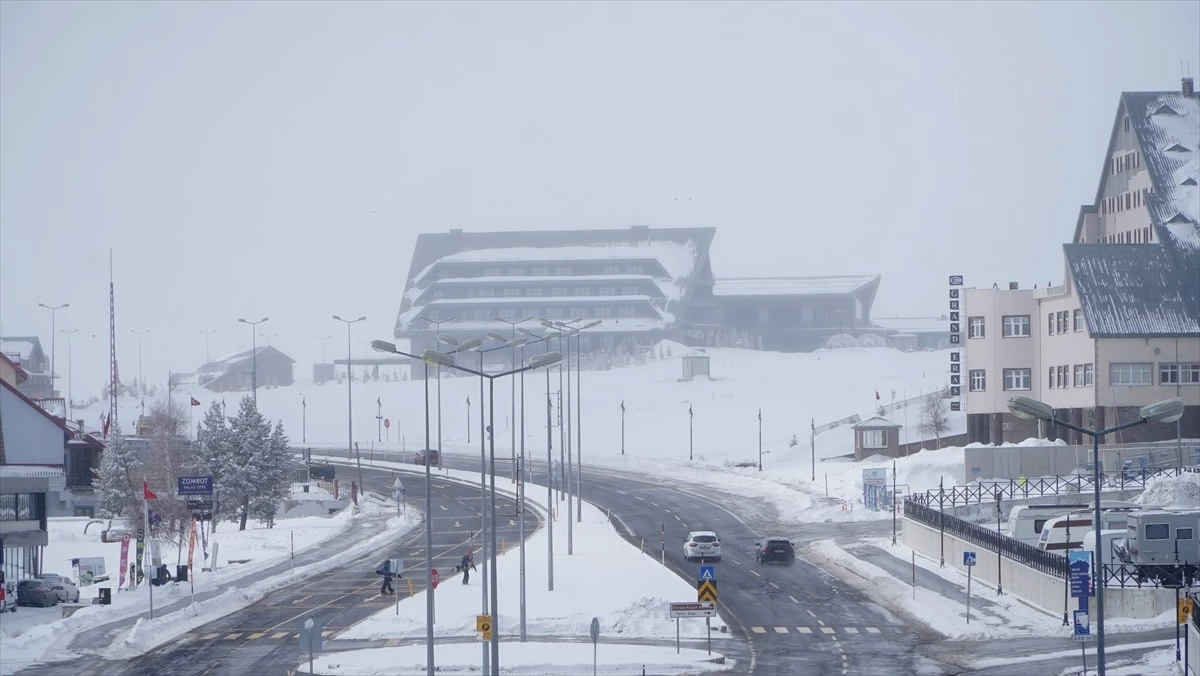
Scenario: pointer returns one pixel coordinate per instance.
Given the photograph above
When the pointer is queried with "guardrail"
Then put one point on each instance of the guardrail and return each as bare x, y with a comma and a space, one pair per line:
1014, 489
1122, 575
1040, 560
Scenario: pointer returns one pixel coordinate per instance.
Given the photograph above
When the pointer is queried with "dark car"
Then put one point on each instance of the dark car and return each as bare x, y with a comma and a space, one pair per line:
427, 456
321, 471
775, 549
36, 593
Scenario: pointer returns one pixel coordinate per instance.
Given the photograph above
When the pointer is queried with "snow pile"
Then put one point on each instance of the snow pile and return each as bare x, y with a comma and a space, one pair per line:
1172, 491
841, 341
872, 340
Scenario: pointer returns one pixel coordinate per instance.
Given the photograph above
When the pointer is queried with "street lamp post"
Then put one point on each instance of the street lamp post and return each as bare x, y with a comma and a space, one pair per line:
532, 338
269, 336
323, 339
447, 361
70, 372
141, 379
384, 346
207, 358
440, 337
350, 398
1167, 411
579, 417
303, 419
513, 325
691, 419
622, 427
254, 356
53, 331
760, 439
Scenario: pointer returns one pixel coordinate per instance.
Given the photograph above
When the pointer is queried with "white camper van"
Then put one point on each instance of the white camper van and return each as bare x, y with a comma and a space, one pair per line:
1103, 554
1025, 522
1064, 533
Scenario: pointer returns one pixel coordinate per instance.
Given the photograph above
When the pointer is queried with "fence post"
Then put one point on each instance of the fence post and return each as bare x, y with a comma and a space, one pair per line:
942, 522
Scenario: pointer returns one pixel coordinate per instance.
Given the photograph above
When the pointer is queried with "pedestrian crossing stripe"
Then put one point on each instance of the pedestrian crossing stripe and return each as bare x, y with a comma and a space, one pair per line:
848, 631
706, 590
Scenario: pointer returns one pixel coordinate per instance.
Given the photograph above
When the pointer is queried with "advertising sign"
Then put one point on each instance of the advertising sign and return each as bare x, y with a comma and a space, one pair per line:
195, 485
88, 569
1080, 567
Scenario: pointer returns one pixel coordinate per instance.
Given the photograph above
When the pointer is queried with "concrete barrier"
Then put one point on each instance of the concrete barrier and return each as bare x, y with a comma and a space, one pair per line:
1033, 586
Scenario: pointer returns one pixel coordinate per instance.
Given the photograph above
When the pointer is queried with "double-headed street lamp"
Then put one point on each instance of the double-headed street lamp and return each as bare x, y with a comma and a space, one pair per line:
1167, 411
253, 355
207, 359
70, 372
53, 331
350, 397
531, 338
513, 323
439, 337
384, 346
540, 361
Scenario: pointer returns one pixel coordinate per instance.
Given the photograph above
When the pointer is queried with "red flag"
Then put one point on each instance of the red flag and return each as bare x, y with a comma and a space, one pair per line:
149, 495
195, 402
105, 421
876, 395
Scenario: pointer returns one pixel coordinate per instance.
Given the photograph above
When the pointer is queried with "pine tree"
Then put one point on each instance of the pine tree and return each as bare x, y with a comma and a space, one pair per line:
213, 450
275, 477
250, 437
116, 479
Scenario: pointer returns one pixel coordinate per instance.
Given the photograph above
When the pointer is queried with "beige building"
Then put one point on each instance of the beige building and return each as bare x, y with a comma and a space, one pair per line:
1123, 329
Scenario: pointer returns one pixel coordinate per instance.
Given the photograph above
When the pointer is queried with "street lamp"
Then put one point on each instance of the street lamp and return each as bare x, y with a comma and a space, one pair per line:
53, 331
384, 346
691, 420
1166, 411
322, 339
449, 340
760, 439
350, 399
207, 359
70, 371
579, 416
622, 427
531, 338
269, 336
540, 361
141, 379
513, 397
254, 356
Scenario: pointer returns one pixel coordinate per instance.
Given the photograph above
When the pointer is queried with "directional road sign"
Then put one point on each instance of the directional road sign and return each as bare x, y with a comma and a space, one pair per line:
708, 573
689, 609
1079, 565
968, 558
706, 590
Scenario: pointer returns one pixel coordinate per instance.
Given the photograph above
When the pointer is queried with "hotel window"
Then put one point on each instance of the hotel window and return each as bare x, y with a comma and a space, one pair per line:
1016, 326
634, 269
1064, 324
1129, 374
1050, 377
517, 272
607, 291
541, 272
1077, 320
1079, 375
625, 311
874, 438
562, 271
975, 326
978, 380
578, 312
443, 274
1179, 374
533, 291
558, 291
487, 292
492, 272
1050, 324
1064, 375
1016, 379
612, 269
628, 289
512, 292
1089, 375
603, 312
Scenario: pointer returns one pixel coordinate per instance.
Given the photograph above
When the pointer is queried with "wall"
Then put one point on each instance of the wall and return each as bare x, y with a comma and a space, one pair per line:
1014, 462
30, 438
1169, 350
993, 353
1064, 349
1042, 590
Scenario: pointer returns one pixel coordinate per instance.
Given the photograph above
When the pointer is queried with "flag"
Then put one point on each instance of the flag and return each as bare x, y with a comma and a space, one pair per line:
124, 559
147, 493
195, 402
155, 517
105, 421
876, 395
814, 424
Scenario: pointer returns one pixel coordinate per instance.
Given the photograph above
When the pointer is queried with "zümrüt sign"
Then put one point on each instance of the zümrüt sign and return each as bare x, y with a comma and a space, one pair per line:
195, 485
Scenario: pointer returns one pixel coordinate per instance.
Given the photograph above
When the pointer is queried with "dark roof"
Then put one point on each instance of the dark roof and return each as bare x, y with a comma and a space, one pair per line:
1133, 290
225, 364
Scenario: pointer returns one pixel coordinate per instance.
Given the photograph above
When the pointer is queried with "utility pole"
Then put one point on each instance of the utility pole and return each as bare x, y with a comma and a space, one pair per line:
207, 358
350, 398
53, 330
691, 419
254, 356
70, 372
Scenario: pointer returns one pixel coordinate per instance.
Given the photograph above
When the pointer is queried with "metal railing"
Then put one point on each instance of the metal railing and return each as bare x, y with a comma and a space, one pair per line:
1040, 560
1123, 575
1015, 489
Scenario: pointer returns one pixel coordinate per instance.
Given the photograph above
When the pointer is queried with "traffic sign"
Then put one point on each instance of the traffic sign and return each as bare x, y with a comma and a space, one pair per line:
310, 635
1082, 624
689, 609
968, 558
706, 590
483, 625
708, 573
595, 629
435, 576
387, 423
1083, 638
1079, 565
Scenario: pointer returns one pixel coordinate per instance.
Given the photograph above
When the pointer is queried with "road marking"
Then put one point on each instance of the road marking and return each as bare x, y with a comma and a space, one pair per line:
233, 636
821, 622
640, 498
793, 598
810, 613
781, 630
209, 637
622, 492
677, 517
755, 572
684, 525
655, 504
804, 630
736, 561
392, 643
826, 630
443, 508
257, 634
850, 630
872, 630
302, 598
758, 630
773, 584
279, 634
665, 510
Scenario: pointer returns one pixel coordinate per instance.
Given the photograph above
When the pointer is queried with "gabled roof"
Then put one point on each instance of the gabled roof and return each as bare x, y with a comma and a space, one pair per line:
833, 285
877, 423
25, 346
22, 376
232, 360
1170, 144
61, 423
1133, 290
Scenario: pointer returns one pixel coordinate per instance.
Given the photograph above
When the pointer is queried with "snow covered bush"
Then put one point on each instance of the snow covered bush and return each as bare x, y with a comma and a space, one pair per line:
841, 341
872, 340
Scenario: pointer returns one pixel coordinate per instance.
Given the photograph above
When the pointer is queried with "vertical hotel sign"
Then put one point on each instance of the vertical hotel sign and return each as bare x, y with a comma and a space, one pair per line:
956, 282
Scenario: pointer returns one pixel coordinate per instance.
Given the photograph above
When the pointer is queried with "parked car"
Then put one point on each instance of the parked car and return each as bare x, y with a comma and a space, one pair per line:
8, 597
703, 545
36, 593
775, 549
116, 529
64, 586
427, 456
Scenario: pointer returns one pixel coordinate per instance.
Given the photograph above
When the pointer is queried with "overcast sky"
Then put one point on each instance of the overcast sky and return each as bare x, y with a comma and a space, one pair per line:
279, 159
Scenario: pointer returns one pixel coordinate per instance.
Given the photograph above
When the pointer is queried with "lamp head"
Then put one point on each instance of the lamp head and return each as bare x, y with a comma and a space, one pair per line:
495, 336
468, 344
1166, 411
435, 358
544, 360
518, 342
1027, 408
594, 322
447, 339
383, 346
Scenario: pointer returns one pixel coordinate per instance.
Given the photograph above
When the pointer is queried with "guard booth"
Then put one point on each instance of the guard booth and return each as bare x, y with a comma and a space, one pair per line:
876, 436
695, 365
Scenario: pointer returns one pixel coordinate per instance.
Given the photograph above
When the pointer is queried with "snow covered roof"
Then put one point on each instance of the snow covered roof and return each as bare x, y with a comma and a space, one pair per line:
231, 360
681, 252
1167, 125
913, 325
27, 471
1133, 290
877, 423
793, 286
26, 347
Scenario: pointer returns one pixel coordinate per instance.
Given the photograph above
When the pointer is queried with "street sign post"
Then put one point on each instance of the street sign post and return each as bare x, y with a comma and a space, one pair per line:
708, 573
595, 638
969, 562
310, 639
483, 625
706, 590
693, 609
194, 485
1080, 567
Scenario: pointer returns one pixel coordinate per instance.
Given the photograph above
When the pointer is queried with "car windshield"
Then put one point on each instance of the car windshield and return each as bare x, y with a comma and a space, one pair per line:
29, 583
778, 543
704, 538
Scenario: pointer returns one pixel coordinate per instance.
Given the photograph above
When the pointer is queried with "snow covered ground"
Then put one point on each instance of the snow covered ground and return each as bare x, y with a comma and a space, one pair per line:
37, 634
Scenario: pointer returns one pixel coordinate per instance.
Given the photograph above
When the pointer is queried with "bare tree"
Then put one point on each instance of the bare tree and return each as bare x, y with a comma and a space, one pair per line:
934, 416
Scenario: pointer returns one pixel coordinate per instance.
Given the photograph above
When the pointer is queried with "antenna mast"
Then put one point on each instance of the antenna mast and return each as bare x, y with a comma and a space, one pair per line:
113, 379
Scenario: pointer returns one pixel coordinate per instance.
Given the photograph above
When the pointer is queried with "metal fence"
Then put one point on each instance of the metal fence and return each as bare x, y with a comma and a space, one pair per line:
1014, 489
1040, 560
1179, 576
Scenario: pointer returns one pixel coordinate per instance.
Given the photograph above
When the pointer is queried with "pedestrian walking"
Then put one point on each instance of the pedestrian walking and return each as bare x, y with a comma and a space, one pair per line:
466, 565
387, 589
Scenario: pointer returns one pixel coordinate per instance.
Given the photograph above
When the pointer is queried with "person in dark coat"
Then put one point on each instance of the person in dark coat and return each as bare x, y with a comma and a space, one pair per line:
466, 565
387, 589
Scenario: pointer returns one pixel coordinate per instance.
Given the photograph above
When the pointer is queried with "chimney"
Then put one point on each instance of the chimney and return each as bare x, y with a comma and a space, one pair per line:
1189, 86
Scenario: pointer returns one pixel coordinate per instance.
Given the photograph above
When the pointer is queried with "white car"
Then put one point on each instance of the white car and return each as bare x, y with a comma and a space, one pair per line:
703, 545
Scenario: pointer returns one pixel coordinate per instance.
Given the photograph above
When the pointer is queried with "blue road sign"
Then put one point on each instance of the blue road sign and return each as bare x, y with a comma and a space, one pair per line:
708, 573
968, 558
1082, 626
1079, 565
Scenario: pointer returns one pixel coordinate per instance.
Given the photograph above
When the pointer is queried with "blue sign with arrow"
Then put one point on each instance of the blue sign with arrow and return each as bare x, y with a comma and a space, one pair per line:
708, 573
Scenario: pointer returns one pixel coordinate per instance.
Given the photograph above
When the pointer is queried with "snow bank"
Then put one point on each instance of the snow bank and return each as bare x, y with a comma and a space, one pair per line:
1172, 491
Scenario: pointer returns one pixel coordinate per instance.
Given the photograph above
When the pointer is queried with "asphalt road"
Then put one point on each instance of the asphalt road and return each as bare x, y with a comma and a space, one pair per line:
263, 638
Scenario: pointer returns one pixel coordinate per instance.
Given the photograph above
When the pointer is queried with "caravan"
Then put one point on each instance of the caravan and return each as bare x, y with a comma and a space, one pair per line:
1025, 522
1066, 532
